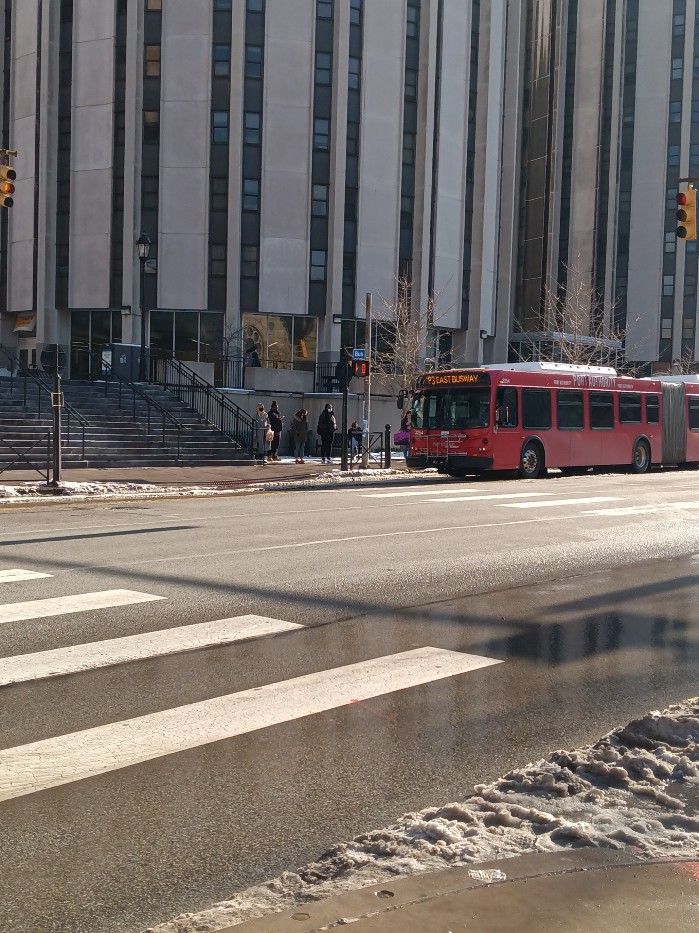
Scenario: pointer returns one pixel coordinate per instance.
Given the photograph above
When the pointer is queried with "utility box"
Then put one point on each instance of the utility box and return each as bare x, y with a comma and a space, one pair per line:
126, 359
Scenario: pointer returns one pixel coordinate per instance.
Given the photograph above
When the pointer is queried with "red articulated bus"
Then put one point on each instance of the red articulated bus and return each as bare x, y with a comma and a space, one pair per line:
530, 416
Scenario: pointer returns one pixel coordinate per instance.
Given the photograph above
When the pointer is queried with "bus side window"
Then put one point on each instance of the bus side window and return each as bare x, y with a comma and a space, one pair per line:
652, 409
506, 408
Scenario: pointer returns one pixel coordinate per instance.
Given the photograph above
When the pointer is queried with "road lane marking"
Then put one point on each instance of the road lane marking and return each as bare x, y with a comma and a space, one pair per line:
62, 605
473, 492
510, 495
644, 509
28, 769
61, 661
549, 503
13, 576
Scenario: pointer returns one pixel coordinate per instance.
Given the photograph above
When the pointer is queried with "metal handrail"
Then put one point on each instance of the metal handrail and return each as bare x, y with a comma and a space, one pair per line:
214, 407
21, 456
41, 384
110, 378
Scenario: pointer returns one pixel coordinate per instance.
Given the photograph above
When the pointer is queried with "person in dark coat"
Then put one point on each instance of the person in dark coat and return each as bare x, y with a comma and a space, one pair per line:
276, 421
355, 439
327, 426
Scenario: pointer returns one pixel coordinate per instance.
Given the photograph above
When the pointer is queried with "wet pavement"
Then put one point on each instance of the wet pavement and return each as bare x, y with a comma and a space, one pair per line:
583, 649
576, 891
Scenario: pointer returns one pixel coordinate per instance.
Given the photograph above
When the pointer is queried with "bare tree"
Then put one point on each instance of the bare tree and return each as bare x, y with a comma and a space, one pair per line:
403, 328
579, 326
686, 365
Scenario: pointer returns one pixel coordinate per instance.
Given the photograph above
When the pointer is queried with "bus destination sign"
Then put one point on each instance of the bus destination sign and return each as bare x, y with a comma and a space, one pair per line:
446, 378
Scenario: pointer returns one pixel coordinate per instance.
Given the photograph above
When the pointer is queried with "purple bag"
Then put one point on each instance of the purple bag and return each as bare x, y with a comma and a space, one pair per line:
401, 438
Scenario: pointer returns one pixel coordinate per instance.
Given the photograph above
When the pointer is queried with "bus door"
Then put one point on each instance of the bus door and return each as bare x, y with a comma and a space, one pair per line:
573, 442
507, 439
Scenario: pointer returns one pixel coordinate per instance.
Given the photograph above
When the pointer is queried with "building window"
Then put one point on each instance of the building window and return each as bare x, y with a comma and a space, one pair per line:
222, 61
690, 285
666, 328
673, 155
217, 259
406, 212
219, 127
688, 328
321, 134
324, 64
318, 264
670, 203
248, 265
348, 260
410, 84
696, 67
149, 192
324, 9
319, 202
154, 6
251, 194
253, 61
675, 111
152, 61
354, 74
255, 6
151, 126
355, 12
413, 23
222, 6
677, 69
668, 285
253, 129
352, 139
670, 242
408, 149
678, 24
694, 154
219, 194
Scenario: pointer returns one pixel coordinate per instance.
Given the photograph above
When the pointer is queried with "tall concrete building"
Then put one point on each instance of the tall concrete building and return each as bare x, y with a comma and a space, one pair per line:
286, 157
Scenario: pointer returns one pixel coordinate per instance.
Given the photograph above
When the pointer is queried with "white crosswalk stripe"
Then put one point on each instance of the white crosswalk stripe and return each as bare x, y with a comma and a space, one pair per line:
17, 575
469, 491
27, 667
644, 509
62, 605
68, 758
550, 503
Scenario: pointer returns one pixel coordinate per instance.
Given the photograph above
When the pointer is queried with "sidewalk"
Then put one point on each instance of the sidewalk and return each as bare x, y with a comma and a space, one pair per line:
576, 891
238, 475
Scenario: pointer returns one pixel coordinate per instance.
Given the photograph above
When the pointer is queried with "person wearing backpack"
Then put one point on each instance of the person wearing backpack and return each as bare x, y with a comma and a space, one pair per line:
327, 426
276, 420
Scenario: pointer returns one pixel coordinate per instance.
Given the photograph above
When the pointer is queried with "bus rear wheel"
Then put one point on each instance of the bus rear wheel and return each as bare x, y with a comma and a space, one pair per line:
531, 464
640, 462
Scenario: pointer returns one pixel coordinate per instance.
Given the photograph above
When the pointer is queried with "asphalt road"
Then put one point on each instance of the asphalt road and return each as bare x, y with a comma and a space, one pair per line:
577, 595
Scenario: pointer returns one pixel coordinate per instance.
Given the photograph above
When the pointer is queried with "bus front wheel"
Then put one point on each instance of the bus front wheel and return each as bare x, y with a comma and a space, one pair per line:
640, 462
532, 461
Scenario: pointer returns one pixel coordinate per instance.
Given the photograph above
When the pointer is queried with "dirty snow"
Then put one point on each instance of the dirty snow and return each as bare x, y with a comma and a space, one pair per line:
35, 492
624, 791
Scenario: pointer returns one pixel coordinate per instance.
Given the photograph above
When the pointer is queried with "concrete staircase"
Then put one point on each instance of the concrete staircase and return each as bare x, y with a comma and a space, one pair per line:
126, 431
26, 419
117, 432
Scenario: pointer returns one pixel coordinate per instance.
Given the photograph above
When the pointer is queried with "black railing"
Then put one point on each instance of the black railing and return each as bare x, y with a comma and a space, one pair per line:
219, 411
128, 393
22, 460
43, 386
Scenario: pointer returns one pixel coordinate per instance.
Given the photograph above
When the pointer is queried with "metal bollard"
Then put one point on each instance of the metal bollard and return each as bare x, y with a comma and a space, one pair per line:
387, 446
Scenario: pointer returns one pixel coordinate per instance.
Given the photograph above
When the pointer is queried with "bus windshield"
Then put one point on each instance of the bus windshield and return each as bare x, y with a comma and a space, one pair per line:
452, 408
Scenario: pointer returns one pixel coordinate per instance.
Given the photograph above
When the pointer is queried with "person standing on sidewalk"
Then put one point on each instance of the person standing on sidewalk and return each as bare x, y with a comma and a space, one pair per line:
276, 420
299, 432
327, 426
264, 434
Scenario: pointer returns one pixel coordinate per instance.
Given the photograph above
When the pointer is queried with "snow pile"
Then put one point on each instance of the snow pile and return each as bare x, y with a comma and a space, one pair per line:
617, 793
114, 490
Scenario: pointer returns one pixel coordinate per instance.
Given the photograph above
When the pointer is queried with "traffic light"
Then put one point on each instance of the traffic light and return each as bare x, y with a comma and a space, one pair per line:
360, 368
686, 214
7, 188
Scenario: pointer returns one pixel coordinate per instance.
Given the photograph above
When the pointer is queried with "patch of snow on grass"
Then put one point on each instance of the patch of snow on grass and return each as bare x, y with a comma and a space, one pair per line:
613, 794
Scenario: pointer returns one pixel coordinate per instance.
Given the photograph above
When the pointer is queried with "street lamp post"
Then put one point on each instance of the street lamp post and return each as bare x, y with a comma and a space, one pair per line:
143, 246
